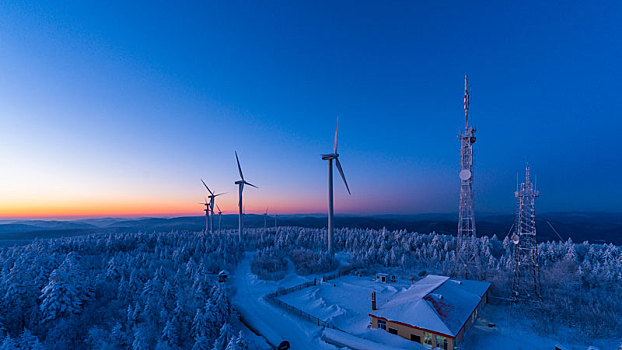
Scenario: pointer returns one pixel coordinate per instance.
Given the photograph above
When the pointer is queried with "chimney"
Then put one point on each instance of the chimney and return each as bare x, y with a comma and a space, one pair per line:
373, 300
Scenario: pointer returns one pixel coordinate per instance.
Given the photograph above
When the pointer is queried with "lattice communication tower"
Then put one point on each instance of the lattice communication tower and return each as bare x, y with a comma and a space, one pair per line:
466, 248
526, 283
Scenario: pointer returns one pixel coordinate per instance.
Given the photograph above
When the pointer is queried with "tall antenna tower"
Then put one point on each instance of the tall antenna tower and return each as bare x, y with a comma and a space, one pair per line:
466, 246
526, 284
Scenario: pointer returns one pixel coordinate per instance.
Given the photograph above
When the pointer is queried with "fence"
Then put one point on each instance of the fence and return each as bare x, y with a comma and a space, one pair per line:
283, 291
272, 297
304, 315
345, 271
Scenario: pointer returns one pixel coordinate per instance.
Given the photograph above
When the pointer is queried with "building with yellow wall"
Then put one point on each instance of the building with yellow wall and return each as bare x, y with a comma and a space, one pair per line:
436, 311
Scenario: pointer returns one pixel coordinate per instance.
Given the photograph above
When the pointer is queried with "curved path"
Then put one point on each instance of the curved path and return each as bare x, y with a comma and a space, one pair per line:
274, 323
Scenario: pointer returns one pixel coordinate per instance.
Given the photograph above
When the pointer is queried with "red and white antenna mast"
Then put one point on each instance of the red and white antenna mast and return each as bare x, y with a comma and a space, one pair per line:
466, 261
467, 97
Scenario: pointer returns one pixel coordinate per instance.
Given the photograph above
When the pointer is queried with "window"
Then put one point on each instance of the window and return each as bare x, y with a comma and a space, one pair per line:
392, 330
382, 324
415, 337
441, 342
428, 339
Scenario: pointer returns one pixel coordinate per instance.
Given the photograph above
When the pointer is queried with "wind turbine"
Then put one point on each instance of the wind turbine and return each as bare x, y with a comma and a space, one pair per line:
219, 217
241, 184
329, 157
265, 220
211, 197
206, 203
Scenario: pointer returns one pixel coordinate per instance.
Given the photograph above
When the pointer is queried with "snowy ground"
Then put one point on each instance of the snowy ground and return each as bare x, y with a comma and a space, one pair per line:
514, 333
346, 302
271, 321
348, 311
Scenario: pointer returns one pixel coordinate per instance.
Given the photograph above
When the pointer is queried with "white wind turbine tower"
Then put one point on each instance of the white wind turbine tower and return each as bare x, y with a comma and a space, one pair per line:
330, 157
265, 220
219, 217
241, 184
206, 203
212, 197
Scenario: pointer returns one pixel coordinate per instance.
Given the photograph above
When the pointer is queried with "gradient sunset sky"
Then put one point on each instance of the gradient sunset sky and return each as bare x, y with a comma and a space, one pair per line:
120, 107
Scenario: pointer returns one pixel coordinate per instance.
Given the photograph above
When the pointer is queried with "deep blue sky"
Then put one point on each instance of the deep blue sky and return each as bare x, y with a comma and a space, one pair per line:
120, 107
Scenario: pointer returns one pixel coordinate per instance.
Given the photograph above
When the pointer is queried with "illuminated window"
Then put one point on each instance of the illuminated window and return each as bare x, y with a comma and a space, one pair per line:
428, 339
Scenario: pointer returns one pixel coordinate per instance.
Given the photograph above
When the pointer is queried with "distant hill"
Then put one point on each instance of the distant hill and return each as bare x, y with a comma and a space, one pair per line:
580, 226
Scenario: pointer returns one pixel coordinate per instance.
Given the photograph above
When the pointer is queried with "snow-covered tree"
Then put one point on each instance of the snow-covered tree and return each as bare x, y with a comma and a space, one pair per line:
224, 337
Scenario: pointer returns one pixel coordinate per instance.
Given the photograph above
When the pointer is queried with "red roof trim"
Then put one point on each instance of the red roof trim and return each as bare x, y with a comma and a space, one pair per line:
415, 327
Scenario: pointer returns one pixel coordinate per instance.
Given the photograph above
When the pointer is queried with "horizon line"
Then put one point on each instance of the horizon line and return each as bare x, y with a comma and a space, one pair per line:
180, 215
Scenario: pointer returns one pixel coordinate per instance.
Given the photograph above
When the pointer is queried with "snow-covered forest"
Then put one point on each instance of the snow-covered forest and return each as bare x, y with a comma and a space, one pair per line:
139, 291
160, 290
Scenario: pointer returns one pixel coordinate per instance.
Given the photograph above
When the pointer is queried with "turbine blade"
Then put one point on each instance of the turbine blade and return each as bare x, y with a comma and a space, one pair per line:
218, 207
239, 167
208, 190
336, 130
342, 175
250, 184
220, 194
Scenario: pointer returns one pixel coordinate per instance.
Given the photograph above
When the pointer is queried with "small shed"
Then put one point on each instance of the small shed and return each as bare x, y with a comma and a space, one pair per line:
385, 277
223, 275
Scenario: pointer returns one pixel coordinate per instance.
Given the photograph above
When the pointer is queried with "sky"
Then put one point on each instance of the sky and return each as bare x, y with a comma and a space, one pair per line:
119, 108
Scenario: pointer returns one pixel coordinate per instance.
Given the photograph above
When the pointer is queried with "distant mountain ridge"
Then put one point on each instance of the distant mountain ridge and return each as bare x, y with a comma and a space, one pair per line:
580, 226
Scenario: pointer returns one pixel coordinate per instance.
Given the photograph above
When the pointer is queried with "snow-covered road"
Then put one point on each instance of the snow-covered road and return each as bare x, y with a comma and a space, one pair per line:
271, 321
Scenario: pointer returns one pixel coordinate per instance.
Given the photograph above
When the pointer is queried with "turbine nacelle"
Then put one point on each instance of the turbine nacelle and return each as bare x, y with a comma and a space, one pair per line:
212, 196
242, 182
330, 156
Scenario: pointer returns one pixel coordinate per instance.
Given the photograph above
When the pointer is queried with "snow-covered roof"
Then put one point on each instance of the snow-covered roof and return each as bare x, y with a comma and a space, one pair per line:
435, 303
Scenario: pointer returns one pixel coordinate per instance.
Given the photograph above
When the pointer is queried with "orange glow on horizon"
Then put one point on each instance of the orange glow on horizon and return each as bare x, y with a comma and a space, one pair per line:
94, 210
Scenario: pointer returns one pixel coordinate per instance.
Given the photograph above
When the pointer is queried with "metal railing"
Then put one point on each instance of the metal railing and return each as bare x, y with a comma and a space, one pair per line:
272, 297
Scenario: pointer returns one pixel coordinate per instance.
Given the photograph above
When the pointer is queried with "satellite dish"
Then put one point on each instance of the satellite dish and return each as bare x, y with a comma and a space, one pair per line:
465, 174
515, 238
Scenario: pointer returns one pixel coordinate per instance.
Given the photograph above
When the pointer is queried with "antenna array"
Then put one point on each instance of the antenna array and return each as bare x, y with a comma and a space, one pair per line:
526, 283
466, 248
